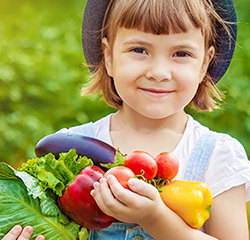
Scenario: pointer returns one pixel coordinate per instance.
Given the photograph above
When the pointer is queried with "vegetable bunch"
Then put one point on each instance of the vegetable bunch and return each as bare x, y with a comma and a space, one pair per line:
190, 200
52, 192
54, 189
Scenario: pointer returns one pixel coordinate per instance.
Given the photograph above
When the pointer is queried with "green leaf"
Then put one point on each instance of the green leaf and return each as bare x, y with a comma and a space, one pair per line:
119, 160
47, 199
84, 234
6, 172
17, 207
56, 174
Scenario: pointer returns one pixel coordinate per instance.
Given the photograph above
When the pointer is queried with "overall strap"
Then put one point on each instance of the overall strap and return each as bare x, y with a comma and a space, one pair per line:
200, 155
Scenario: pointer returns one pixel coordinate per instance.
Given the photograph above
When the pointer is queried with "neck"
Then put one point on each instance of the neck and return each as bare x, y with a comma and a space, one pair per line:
131, 120
132, 131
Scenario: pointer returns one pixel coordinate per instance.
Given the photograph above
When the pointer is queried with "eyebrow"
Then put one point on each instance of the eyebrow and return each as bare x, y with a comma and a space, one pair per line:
137, 41
186, 46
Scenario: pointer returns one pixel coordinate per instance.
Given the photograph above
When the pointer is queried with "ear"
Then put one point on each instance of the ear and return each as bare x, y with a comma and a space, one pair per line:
209, 54
107, 56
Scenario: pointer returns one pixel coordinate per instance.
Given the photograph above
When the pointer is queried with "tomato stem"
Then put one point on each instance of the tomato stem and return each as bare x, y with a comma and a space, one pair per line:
158, 183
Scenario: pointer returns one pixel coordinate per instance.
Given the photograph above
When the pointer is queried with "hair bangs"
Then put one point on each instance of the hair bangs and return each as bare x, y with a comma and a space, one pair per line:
159, 16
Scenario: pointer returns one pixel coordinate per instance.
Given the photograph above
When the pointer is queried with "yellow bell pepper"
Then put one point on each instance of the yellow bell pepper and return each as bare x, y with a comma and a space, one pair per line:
248, 215
190, 200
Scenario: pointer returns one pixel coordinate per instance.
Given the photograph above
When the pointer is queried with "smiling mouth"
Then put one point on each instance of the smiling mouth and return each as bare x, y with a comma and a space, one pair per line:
157, 92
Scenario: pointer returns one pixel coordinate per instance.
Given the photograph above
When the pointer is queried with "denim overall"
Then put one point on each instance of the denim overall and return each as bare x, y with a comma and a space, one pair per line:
195, 171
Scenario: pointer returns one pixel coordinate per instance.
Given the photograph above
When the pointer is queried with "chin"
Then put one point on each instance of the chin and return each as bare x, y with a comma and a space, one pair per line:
157, 115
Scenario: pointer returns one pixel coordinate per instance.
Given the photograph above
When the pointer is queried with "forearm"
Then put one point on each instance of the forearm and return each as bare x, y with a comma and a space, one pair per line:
160, 229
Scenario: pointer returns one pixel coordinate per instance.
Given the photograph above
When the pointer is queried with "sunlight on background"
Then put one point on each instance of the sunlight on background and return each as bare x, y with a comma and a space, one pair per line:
42, 71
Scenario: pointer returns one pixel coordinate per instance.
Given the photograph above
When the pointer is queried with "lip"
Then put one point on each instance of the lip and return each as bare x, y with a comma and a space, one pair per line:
157, 92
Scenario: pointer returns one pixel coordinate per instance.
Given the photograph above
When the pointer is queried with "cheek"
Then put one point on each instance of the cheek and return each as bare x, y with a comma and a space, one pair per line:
188, 82
123, 87
125, 75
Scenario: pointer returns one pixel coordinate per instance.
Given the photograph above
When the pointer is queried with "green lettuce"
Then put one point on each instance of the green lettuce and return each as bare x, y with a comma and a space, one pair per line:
56, 174
28, 196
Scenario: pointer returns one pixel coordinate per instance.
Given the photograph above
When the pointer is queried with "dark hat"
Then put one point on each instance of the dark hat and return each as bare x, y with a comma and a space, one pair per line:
92, 23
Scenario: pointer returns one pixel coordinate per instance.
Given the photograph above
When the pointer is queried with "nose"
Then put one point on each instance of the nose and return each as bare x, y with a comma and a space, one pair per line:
159, 70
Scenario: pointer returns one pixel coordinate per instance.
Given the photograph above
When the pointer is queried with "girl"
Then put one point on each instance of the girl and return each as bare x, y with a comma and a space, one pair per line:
153, 58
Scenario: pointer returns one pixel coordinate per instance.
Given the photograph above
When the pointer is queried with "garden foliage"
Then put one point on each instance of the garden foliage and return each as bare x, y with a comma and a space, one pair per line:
42, 71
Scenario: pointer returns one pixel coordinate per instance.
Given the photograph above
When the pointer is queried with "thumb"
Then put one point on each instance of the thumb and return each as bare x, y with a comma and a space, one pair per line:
142, 188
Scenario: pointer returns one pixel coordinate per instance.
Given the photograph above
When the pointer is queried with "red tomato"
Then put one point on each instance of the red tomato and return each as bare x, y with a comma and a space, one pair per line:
122, 174
141, 163
168, 165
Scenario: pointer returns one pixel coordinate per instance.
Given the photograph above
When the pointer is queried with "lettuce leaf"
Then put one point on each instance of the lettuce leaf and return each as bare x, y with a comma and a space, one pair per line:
29, 196
18, 207
47, 200
56, 174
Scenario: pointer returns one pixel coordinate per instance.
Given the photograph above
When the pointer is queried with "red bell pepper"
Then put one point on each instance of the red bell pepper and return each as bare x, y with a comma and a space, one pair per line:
77, 203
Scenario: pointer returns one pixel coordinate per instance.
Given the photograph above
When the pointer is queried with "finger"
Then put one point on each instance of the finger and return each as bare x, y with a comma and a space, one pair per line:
114, 185
26, 233
125, 196
104, 197
142, 188
13, 233
40, 237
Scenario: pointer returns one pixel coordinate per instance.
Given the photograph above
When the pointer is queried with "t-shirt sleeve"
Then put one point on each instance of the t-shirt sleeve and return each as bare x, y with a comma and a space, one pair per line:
86, 129
228, 167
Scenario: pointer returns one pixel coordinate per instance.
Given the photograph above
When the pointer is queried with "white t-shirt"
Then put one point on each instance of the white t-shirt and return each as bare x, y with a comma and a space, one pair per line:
228, 166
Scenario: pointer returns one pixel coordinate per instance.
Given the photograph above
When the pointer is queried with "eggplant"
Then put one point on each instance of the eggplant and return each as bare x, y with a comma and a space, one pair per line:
97, 150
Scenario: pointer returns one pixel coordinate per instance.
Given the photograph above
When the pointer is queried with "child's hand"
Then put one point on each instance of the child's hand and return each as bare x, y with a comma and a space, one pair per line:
16, 233
141, 204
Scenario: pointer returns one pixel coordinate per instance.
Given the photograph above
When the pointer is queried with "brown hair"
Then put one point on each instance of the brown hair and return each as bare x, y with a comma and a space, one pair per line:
159, 17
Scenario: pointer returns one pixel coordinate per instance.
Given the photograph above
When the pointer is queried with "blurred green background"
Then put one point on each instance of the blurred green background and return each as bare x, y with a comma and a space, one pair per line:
42, 71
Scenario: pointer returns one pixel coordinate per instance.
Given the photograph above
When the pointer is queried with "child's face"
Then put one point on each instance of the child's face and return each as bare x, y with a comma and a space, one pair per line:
157, 75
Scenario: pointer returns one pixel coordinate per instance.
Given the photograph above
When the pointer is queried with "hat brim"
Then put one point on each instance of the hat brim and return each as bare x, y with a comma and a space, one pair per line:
92, 24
